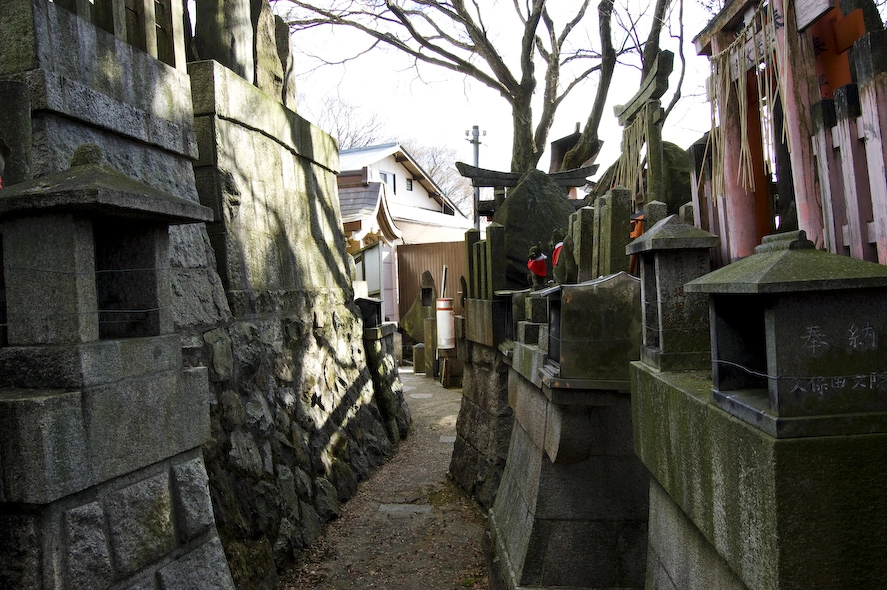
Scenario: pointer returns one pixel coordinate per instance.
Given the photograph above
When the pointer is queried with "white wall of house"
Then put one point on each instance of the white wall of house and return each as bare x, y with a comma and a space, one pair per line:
390, 302
377, 266
395, 175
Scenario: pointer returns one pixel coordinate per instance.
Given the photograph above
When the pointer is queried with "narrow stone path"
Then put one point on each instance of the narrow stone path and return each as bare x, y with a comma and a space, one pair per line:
408, 527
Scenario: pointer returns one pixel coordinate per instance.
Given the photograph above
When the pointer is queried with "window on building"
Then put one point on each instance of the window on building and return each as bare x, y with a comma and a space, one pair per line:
409, 184
389, 179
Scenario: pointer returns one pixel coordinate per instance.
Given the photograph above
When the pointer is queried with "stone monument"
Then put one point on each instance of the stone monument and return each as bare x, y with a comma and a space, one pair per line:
767, 470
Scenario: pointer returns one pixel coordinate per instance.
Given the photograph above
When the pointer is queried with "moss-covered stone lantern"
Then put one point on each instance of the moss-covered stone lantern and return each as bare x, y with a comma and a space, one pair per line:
796, 337
676, 331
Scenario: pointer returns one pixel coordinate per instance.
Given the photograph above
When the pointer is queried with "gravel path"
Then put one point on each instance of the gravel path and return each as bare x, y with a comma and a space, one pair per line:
408, 527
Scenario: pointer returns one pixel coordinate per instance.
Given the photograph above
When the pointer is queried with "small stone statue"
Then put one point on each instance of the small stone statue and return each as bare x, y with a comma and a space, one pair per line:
538, 267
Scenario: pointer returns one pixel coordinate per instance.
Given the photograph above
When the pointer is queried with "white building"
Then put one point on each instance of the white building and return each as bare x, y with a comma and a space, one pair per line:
387, 200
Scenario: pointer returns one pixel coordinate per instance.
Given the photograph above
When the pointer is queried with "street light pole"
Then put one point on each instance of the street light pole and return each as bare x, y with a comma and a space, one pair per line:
474, 139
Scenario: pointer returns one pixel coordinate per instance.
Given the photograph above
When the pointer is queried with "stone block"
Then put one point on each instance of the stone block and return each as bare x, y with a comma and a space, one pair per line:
528, 333
285, 51
530, 409
599, 488
756, 499
217, 90
269, 75
193, 507
221, 355
463, 464
496, 257
472, 236
44, 431
121, 440
486, 320
537, 310
654, 211
679, 555
527, 361
50, 283
569, 434
583, 243
687, 213
87, 556
21, 551
204, 568
599, 328
140, 523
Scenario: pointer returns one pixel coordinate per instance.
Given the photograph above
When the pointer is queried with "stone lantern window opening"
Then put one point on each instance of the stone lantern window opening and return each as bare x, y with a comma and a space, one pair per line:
739, 344
126, 279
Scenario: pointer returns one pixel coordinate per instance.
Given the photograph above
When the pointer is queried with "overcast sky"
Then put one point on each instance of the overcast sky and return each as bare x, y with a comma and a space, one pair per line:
438, 108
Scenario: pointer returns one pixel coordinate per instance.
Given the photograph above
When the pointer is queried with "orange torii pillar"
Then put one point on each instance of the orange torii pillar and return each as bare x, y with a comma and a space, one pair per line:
747, 210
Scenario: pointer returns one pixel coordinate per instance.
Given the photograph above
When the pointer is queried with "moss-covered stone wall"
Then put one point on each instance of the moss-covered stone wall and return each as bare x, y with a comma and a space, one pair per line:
778, 513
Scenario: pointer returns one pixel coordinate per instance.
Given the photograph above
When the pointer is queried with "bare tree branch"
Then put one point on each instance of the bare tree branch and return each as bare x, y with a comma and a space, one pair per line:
453, 34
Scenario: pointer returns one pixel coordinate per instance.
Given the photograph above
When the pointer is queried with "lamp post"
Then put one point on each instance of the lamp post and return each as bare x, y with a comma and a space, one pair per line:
474, 139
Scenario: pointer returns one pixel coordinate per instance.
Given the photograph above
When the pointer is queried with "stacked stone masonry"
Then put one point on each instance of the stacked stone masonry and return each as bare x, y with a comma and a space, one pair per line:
267, 368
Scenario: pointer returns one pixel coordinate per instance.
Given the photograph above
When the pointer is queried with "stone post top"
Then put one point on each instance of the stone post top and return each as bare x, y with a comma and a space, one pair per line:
672, 233
789, 263
607, 281
90, 185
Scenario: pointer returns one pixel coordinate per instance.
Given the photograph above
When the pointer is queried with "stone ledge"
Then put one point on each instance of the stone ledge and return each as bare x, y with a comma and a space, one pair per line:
485, 320
386, 329
218, 91
67, 441
90, 364
70, 98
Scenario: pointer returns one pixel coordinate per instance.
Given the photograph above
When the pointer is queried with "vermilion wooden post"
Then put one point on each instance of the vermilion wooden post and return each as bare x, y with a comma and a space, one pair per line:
739, 212
799, 92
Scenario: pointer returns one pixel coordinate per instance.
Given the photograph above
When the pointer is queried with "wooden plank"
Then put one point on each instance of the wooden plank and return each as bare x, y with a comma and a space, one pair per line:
870, 59
807, 11
831, 185
873, 123
414, 259
854, 173
652, 88
800, 91
727, 18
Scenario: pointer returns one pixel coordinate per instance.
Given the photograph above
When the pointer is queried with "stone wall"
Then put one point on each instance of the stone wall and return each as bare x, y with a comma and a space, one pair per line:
261, 301
295, 420
483, 428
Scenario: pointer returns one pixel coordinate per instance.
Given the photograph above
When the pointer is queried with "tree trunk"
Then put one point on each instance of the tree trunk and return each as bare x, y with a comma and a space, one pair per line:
524, 152
589, 143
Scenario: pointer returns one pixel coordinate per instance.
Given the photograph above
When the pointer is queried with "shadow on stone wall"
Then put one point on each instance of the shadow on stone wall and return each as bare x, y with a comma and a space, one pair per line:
296, 423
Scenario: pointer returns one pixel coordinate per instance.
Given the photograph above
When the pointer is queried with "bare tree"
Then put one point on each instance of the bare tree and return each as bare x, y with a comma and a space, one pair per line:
468, 37
439, 162
351, 125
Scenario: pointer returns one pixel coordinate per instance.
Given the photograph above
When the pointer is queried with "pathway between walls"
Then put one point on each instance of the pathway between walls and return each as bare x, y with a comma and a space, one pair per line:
408, 527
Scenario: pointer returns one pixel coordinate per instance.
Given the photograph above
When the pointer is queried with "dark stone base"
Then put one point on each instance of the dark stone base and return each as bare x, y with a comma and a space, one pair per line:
577, 525
483, 428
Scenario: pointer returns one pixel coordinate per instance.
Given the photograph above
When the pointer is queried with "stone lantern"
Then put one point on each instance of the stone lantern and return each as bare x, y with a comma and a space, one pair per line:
100, 424
796, 339
676, 330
